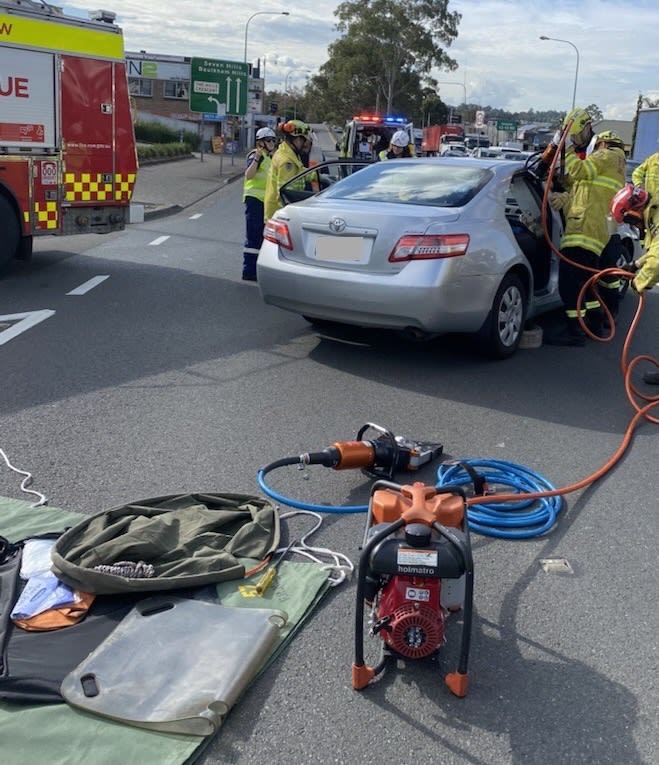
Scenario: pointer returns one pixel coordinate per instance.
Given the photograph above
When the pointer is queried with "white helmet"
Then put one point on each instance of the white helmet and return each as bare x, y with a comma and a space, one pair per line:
266, 132
400, 138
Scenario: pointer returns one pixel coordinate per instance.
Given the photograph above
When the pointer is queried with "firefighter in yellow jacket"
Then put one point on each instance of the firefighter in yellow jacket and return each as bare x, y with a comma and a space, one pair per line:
286, 162
646, 176
256, 174
592, 181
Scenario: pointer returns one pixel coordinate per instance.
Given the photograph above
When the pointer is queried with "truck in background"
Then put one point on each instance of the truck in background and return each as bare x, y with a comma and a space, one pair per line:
439, 137
476, 140
646, 137
68, 158
366, 135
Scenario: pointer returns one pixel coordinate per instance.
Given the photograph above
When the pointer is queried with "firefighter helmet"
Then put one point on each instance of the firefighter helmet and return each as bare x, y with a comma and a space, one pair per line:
611, 139
579, 118
296, 128
400, 139
630, 198
262, 134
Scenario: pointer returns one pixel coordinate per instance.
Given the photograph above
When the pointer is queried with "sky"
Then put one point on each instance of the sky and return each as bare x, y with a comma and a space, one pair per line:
502, 63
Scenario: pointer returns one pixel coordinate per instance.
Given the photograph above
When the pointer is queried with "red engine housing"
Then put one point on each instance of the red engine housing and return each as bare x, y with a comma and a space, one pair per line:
413, 623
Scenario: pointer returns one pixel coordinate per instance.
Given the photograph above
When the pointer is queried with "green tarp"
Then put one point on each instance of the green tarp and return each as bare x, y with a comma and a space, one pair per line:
57, 734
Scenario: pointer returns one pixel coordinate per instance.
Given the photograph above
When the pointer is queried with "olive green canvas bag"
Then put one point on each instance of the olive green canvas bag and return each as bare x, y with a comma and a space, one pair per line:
167, 543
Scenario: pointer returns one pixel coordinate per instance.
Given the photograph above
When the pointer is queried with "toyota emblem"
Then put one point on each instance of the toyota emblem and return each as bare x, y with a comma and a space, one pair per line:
337, 225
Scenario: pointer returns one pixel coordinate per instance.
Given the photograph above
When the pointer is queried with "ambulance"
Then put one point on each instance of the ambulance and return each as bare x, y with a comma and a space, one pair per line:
365, 135
68, 159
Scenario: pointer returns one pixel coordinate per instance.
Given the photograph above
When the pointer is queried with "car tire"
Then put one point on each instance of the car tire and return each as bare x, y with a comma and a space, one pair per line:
11, 233
501, 333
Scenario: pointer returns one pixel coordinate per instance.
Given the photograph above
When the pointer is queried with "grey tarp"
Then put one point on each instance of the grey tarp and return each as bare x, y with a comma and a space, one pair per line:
190, 540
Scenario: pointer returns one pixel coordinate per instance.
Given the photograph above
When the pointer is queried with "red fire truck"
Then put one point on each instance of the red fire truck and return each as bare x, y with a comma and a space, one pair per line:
68, 160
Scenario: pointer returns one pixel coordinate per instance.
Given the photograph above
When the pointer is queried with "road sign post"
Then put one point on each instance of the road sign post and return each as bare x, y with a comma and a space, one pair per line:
218, 87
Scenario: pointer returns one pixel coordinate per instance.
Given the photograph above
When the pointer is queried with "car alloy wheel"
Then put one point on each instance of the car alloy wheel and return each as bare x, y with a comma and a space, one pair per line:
502, 331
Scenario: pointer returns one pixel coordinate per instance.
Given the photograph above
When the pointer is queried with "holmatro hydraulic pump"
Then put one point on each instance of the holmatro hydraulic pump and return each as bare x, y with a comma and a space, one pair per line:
415, 567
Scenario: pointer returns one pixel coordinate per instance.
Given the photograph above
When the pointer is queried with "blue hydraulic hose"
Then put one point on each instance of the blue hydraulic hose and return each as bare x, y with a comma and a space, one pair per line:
505, 520
260, 479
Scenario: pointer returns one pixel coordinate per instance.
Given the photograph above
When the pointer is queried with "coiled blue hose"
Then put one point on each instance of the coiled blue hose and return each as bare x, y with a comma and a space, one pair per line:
505, 520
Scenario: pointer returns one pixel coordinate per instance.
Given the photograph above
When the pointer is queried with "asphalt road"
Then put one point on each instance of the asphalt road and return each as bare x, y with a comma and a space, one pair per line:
171, 375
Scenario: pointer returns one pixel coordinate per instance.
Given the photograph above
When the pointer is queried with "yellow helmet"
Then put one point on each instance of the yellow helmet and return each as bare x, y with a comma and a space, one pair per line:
579, 118
611, 138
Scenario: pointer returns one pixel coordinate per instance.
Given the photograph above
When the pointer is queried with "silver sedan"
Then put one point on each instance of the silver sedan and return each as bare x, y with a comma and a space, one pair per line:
426, 246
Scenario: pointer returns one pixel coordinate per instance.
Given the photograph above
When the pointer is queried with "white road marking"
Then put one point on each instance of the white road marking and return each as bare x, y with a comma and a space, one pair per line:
88, 285
159, 240
195, 216
23, 321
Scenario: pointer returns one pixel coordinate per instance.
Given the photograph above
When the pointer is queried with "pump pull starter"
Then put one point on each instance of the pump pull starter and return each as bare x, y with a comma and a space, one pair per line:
378, 457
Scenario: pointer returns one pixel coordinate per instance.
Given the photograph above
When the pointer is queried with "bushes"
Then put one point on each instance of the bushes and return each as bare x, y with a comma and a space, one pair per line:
154, 152
154, 132
163, 142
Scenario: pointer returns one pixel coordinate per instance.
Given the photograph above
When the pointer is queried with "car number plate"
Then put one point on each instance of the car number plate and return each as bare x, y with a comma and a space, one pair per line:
342, 249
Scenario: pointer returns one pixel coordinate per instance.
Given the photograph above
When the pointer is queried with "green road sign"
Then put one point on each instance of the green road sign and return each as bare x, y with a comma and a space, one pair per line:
218, 87
506, 125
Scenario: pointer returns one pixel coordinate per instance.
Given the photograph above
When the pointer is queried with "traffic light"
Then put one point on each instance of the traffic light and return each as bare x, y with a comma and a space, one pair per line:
274, 107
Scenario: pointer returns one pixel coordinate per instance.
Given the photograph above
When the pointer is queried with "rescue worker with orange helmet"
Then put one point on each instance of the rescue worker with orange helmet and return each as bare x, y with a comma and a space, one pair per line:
286, 162
256, 174
399, 146
592, 182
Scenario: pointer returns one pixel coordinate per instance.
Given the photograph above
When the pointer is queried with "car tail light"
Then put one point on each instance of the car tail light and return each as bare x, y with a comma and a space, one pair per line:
276, 231
429, 247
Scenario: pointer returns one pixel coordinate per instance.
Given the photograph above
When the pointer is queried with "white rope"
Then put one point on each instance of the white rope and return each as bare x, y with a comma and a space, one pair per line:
339, 565
26, 481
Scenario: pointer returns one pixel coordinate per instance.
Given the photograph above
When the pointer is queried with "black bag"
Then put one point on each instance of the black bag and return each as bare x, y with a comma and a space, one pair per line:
33, 664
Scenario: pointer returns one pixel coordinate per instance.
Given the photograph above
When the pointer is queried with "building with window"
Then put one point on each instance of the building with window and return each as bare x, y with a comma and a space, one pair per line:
160, 84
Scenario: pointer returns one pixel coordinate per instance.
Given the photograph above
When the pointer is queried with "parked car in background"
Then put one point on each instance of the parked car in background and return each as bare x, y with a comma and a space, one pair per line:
500, 152
421, 246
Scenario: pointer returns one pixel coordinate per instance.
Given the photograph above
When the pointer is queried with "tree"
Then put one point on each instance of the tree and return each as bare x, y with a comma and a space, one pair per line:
387, 47
595, 113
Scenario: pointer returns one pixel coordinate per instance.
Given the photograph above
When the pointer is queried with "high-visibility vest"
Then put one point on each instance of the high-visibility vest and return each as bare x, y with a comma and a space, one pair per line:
255, 186
285, 164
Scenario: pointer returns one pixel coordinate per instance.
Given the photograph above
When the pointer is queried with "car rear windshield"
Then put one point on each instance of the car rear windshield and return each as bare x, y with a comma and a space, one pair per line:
433, 183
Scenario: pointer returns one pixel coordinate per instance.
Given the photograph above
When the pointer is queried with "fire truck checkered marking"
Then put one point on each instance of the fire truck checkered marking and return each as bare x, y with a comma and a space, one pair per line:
123, 186
46, 214
89, 187
86, 188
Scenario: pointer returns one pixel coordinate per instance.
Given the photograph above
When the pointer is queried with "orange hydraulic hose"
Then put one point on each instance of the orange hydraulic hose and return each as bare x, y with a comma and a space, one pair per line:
642, 410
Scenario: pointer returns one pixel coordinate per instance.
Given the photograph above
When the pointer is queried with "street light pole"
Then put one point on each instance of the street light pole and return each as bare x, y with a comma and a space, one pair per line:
308, 71
461, 84
260, 13
576, 71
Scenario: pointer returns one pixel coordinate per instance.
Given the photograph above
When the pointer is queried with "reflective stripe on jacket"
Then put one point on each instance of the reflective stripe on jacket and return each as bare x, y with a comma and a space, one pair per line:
285, 164
647, 175
255, 186
594, 182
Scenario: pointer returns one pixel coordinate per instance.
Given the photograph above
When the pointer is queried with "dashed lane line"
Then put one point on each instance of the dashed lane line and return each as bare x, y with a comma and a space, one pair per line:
159, 240
88, 285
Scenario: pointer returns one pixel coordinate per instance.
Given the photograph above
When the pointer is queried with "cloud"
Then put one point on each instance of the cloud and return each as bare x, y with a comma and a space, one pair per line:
502, 61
